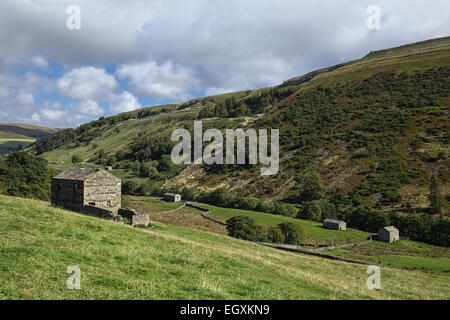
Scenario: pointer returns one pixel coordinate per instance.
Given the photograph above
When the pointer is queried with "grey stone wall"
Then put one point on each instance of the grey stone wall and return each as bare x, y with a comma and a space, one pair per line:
103, 190
140, 220
127, 213
67, 193
100, 213
135, 218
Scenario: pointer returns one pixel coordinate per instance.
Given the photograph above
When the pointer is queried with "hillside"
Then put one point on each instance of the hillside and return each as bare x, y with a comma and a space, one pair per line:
18, 136
405, 254
166, 262
374, 129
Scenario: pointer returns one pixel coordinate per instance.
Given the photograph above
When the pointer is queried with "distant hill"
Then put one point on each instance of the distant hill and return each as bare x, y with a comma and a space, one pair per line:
374, 129
15, 137
25, 130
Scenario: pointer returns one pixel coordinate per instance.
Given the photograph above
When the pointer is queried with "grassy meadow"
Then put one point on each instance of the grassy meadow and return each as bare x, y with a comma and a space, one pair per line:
168, 262
407, 255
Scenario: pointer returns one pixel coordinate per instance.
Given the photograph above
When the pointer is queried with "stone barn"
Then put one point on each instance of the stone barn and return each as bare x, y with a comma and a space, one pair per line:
172, 197
388, 234
334, 224
76, 188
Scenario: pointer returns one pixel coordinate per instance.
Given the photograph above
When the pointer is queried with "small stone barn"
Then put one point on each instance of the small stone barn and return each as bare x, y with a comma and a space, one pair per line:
172, 197
388, 234
76, 188
334, 224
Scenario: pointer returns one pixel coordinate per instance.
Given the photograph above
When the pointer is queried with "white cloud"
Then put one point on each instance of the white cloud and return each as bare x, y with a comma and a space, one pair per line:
39, 62
25, 98
4, 92
167, 80
88, 83
89, 108
35, 118
53, 112
169, 49
124, 102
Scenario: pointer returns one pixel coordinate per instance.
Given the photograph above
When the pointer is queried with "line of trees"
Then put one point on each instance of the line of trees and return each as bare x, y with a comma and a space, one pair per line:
23, 175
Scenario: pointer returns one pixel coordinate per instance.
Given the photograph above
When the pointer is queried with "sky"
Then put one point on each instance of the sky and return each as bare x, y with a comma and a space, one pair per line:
64, 63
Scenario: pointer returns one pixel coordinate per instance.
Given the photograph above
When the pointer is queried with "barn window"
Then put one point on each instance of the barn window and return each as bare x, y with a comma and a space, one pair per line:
108, 203
92, 203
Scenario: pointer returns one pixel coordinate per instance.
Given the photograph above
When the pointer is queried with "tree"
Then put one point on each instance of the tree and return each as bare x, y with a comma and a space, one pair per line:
220, 197
245, 228
293, 233
120, 155
318, 210
76, 159
188, 194
311, 188
368, 219
23, 175
110, 161
275, 235
129, 187
435, 196
165, 163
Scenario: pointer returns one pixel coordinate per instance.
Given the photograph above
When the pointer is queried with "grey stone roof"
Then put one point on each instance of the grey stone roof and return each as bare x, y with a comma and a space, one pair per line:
171, 194
390, 229
333, 221
75, 174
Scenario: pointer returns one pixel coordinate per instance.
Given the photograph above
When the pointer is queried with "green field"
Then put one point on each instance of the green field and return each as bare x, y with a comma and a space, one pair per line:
8, 145
408, 255
15, 137
314, 230
166, 262
155, 204
404, 254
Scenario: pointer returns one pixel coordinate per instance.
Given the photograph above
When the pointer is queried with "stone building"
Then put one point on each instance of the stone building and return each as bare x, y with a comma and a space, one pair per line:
388, 234
77, 188
334, 224
172, 197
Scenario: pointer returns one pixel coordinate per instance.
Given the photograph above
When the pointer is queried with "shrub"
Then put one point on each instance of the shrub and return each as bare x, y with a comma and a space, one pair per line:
293, 233
318, 210
311, 188
144, 189
110, 161
121, 155
23, 175
435, 196
188, 194
440, 232
130, 187
245, 228
220, 197
165, 163
266, 206
275, 235
368, 219
76, 159
284, 209
147, 170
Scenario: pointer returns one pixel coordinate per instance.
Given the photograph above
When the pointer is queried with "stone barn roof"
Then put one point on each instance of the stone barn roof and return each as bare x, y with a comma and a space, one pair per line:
81, 174
390, 229
333, 221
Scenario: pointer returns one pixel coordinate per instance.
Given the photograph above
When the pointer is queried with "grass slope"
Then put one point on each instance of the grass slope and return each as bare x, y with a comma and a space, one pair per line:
408, 255
314, 230
166, 262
